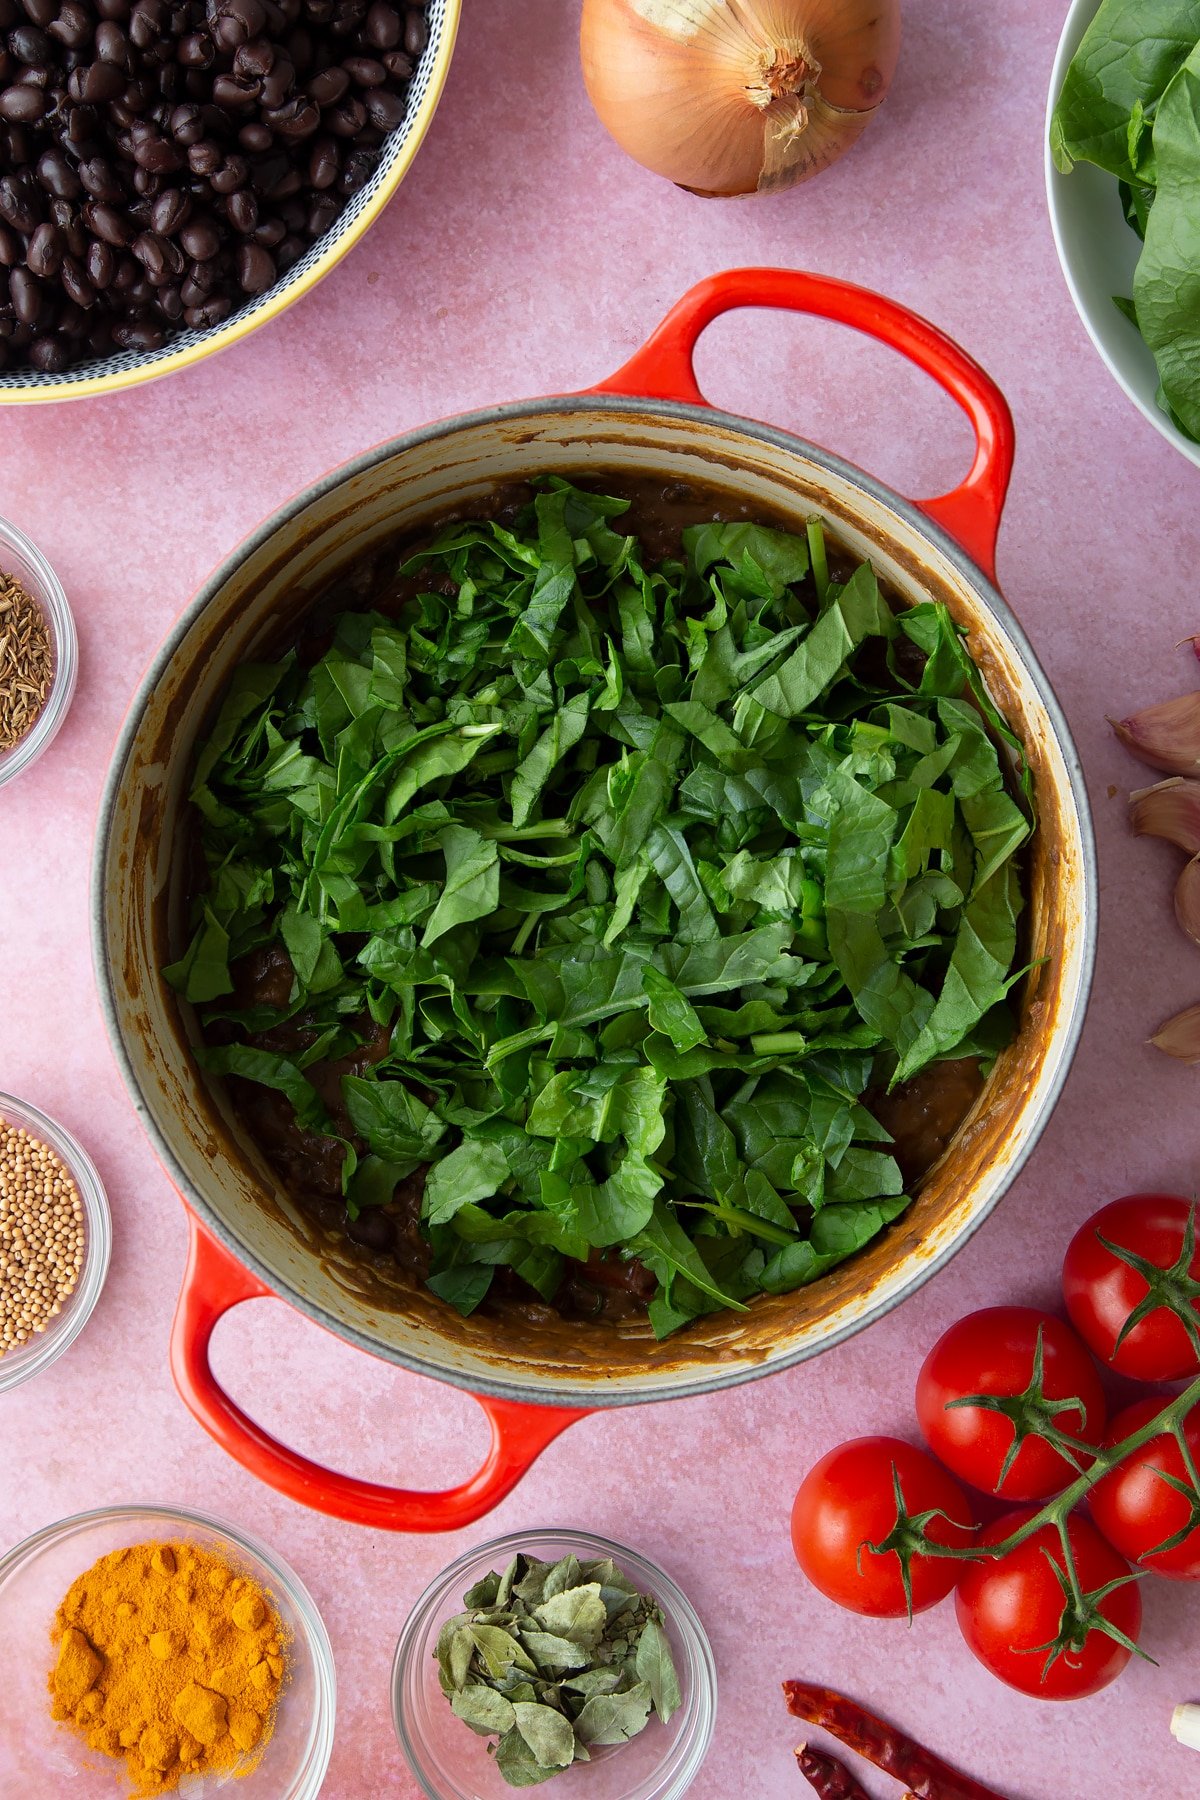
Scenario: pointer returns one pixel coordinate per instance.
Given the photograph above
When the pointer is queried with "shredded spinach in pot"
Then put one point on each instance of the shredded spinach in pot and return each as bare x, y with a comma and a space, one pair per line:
648, 872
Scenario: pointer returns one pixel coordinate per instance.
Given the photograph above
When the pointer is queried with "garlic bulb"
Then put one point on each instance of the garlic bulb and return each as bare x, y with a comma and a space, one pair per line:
738, 96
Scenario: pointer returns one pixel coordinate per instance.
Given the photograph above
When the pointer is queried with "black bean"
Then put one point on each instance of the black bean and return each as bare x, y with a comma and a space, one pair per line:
44, 251
100, 179
232, 92
209, 312
255, 269
74, 25
416, 31
200, 238
328, 87
81, 124
357, 172
254, 60
112, 46
11, 249
17, 206
196, 50
157, 154
170, 210
255, 137
96, 83
58, 175
186, 124
26, 294
298, 119
76, 284
231, 175
398, 65
384, 26
138, 334
269, 232
101, 264
41, 12
204, 157
364, 71
347, 118
29, 44
49, 354
323, 164
169, 302
107, 223
279, 83
324, 211
23, 103
385, 110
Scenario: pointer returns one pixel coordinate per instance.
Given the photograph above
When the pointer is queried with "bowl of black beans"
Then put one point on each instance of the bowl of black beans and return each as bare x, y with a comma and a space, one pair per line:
173, 173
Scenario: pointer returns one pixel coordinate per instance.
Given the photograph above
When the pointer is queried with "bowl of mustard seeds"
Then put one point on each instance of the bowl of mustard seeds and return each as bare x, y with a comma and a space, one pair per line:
55, 1240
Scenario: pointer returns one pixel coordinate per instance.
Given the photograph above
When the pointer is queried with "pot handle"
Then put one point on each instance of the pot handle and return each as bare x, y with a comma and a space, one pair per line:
213, 1282
663, 370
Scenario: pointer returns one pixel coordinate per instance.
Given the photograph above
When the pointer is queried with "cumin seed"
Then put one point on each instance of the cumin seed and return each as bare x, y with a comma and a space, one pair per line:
26, 661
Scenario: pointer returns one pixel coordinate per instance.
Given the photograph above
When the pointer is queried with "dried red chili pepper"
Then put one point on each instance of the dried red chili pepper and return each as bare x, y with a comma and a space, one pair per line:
926, 1775
829, 1779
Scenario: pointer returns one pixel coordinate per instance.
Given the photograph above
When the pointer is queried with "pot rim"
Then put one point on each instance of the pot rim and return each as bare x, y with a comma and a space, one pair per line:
558, 1392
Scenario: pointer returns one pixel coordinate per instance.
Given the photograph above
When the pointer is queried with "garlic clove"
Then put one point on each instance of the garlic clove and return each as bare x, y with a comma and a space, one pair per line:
1170, 809
1180, 1036
1185, 1725
1166, 736
1187, 900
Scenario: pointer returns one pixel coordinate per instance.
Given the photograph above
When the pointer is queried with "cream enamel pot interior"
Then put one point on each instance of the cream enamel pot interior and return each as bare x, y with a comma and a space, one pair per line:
248, 1239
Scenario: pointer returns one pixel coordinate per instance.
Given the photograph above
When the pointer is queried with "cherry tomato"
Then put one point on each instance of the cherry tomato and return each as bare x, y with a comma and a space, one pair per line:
1101, 1290
994, 1352
1010, 1611
1136, 1509
848, 1500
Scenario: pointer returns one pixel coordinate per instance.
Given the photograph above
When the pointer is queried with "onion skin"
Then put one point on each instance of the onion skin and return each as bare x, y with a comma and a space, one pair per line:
1187, 900
728, 97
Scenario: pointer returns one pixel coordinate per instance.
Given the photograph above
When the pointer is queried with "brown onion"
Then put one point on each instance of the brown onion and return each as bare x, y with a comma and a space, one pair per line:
738, 96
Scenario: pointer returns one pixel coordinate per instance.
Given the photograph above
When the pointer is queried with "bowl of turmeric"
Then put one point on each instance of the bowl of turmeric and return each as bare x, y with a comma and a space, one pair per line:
158, 1651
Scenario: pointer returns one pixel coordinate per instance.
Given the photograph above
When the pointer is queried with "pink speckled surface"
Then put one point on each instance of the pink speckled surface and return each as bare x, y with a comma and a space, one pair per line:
524, 255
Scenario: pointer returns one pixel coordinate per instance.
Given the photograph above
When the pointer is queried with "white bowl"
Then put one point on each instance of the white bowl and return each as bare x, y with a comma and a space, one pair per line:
47, 1346
1099, 250
42, 1760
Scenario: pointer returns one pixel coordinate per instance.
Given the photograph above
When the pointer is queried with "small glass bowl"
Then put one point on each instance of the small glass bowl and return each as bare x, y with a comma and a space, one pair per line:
18, 1365
451, 1763
40, 1757
20, 558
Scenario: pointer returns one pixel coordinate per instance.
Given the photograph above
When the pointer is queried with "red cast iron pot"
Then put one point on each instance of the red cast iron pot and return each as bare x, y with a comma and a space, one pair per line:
247, 1238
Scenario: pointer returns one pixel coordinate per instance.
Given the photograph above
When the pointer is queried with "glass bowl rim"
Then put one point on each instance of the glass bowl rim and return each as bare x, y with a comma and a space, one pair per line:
51, 596
47, 1346
319, 1750
672, 1595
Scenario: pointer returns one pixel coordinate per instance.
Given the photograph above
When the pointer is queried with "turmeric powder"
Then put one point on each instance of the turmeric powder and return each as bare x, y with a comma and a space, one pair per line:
168, 1658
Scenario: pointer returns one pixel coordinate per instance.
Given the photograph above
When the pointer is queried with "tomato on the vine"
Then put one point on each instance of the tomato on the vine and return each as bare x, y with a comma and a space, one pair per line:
997, 1353
848, 1500
1154, 1260
1018, 1616
1137, 1509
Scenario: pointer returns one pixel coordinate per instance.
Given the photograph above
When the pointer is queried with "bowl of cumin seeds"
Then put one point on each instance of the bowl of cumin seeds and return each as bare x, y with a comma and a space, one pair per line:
39, 652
